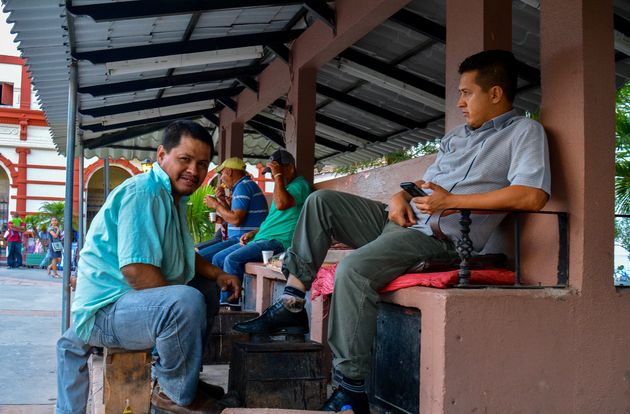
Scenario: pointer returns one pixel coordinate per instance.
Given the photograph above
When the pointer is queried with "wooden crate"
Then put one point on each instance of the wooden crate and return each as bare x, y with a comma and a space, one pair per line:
222, 336
126, 376
279, 374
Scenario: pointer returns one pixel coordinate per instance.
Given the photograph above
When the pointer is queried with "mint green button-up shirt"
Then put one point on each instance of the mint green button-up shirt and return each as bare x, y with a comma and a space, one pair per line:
139, 223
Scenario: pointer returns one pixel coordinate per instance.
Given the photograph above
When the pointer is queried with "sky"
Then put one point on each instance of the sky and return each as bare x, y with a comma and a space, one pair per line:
7, 45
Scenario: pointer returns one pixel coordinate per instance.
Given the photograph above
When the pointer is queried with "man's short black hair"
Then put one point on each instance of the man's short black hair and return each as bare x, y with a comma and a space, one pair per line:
174, 132
495, 68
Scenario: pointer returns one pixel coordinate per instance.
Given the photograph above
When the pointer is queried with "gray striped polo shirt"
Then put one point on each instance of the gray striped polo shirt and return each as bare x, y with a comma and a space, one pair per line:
507, 150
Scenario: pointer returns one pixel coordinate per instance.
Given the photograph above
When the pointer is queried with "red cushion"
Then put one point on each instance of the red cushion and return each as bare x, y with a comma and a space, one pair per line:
325, 279
444, 279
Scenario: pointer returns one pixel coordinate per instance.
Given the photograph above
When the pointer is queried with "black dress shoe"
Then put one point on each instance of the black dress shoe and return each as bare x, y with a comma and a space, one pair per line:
341, 397
210, 390
276, 320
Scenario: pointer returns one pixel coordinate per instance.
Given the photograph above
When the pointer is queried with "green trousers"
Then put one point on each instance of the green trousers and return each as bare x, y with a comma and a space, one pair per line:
384, 251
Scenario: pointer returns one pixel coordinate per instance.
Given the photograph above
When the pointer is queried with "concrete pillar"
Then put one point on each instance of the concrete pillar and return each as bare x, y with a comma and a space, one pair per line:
231, 133
233, 139
300, 124
578, 78
472, 26
222, 144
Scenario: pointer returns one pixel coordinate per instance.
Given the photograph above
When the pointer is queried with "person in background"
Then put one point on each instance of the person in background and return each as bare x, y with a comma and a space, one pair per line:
45, 241
54, 247
14, 237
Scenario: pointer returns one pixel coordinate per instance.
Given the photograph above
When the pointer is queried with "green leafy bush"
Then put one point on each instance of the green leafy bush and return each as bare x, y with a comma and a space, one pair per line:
197, 215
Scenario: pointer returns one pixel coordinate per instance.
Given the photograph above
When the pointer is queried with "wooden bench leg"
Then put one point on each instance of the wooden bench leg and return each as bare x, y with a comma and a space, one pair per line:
126, 377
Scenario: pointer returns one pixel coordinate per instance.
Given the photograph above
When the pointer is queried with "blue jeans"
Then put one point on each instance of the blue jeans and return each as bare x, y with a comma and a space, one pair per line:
14, 254
208, 252
46, 260
173, 319
214, 240
232, 260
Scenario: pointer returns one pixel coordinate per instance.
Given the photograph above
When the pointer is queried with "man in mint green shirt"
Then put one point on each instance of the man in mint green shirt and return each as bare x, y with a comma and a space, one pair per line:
275, 233
140, 284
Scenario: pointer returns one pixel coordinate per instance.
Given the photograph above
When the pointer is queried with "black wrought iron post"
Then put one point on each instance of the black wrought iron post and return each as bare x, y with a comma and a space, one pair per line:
464, 248
517, 250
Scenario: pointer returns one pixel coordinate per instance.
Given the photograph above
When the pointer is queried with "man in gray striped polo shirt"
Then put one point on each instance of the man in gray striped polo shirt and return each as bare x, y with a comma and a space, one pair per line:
497, 160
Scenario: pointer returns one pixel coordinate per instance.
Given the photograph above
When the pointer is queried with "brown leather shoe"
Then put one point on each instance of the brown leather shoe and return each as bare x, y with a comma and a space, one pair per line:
211, 390
201, 405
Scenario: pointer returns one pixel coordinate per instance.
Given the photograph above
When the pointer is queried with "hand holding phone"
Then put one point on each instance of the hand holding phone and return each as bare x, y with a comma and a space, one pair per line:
412, 189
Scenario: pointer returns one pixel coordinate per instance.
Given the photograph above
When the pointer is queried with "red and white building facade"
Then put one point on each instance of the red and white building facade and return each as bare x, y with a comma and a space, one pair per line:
31, 170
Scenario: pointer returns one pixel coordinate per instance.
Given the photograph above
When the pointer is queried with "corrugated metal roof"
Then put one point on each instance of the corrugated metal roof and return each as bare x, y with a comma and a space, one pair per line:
41, 27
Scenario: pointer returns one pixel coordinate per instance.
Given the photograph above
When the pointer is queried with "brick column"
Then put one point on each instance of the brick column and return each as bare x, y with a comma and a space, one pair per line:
472, 26
300, 124
20, 181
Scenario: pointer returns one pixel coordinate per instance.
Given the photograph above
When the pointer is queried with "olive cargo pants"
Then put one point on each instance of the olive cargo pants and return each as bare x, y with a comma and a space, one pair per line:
384, 251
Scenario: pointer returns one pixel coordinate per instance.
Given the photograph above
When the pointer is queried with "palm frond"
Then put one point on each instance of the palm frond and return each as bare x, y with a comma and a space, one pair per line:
53, 209
622, 153
622, 168
197, 215
622, 195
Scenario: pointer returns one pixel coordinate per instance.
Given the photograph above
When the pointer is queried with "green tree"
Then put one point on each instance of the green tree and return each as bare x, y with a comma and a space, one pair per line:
51, 209
34, 221
622, 165
622, 153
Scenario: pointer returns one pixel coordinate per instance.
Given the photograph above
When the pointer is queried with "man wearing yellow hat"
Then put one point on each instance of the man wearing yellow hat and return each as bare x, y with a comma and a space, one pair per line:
248, 209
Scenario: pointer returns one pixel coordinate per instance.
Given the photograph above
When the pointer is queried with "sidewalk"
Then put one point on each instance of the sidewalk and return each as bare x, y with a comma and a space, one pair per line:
30, 323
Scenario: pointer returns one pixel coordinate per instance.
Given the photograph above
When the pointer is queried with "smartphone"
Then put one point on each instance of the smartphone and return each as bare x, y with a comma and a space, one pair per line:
413, 189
